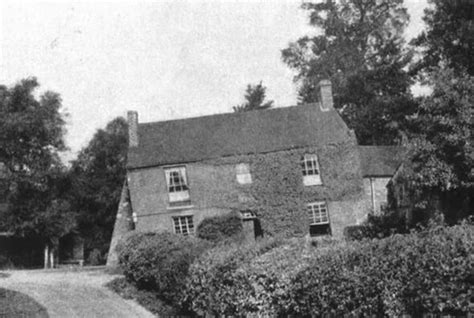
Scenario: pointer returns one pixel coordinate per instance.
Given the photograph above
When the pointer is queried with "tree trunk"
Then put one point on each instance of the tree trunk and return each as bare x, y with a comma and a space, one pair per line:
51, 257
46, 256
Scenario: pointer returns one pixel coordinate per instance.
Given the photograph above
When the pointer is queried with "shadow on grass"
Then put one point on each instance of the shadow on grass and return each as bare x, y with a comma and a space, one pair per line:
14, 304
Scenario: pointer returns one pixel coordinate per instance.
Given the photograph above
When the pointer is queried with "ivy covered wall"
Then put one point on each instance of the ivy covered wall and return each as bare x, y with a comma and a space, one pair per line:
278, 197
277, 194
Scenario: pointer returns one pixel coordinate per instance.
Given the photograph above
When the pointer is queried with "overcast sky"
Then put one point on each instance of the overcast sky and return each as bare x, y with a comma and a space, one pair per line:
166, 60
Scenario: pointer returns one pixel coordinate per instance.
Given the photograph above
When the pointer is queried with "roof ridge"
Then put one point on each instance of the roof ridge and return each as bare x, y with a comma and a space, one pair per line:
246, 113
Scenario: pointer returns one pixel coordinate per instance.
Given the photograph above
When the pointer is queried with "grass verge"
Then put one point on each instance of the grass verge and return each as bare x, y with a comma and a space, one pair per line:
147, 299
14, 304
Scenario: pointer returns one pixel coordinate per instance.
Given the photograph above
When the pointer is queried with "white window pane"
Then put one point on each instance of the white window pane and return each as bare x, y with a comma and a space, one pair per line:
310, 180
179, 196
243, 173
310, 169
244, 178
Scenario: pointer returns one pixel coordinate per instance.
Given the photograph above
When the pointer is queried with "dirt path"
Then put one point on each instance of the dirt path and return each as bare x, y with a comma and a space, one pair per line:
73, 293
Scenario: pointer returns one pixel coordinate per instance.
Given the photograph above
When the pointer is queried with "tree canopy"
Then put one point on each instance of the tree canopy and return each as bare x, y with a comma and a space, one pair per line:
449, 36
359, 48
31, 138
254, 99
97, 177
441, 160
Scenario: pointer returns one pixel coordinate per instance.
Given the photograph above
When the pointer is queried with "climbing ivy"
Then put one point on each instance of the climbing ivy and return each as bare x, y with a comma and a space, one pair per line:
277, 194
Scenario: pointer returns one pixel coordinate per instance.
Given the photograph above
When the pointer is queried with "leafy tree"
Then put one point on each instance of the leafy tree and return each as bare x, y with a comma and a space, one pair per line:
360, 50
31, 137
449, 38
98, 174
255, 97
440, 166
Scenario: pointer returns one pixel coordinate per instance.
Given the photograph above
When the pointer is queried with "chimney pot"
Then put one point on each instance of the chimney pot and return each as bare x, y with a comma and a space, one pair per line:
325, 95
132, 117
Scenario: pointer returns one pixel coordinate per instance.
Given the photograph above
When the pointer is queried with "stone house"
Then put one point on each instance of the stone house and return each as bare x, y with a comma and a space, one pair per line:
297, 170
379, 164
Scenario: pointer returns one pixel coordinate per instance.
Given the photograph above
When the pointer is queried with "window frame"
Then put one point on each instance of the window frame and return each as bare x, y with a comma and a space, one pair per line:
313, 217
185, 228
311, 170
320, 225
177, 186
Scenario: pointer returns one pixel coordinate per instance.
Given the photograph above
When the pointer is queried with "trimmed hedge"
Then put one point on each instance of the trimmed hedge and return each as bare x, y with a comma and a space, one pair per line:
216, 285
159, 261
221, 227
270, 276
418, 273
428, 272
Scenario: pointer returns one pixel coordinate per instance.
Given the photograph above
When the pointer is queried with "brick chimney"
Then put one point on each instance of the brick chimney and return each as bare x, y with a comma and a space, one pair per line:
132, 117
325, 95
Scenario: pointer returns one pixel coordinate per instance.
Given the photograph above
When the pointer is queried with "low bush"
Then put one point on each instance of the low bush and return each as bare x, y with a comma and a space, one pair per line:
217, 285
426, 272
357, 232
159, 261
5, 262
218, 228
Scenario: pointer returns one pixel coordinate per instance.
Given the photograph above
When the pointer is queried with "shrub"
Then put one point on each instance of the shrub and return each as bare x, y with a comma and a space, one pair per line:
426, 272
217, 285
159, 261
376, 226
95, 257
218, 228
357, 232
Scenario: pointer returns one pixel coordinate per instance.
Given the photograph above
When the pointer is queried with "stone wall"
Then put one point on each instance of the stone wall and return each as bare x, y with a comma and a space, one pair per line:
123, 224
375, 189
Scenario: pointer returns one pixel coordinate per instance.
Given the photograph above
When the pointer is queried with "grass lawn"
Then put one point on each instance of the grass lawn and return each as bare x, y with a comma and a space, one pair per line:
14, 304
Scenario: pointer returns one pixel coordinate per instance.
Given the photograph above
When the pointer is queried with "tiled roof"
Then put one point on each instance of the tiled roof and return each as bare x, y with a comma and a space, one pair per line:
207, 137
380, 161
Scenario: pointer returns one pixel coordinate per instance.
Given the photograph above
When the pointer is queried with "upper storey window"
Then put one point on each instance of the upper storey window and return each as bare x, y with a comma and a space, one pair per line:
176, 181
310, 169
243, 173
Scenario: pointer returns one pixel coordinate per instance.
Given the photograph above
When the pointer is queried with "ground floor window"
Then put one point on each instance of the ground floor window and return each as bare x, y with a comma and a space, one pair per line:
183, 225
318, 218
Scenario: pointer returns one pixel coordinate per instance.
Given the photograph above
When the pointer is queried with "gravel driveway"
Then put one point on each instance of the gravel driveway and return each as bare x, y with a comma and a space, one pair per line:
73, 293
